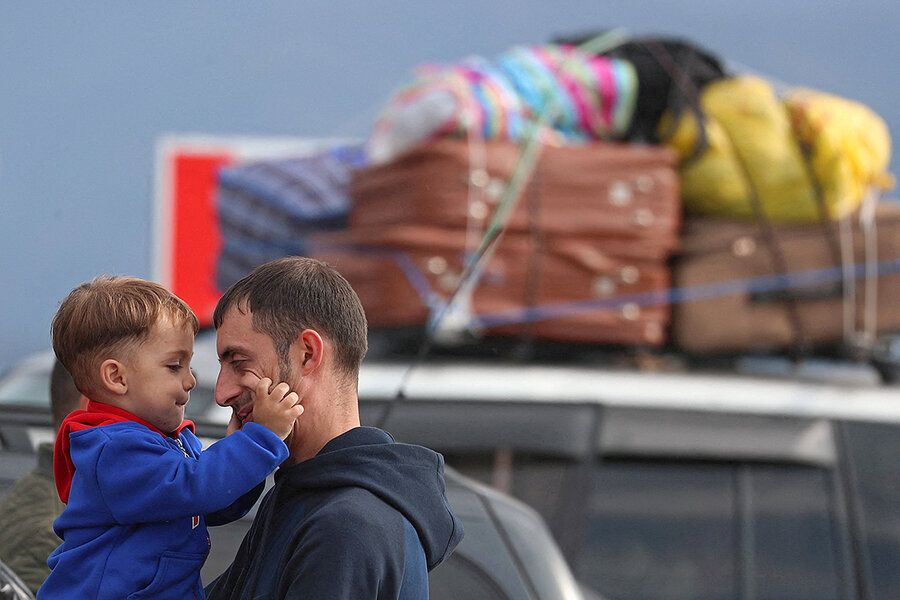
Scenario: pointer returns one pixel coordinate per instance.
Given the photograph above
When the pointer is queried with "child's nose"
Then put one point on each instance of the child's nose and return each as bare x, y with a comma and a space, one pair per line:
190, 381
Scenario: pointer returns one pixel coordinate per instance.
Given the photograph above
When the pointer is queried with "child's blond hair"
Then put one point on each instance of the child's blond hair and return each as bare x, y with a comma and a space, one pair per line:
105, 316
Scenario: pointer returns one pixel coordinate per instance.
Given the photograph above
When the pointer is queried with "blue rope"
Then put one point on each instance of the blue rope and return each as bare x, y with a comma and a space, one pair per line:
678, 295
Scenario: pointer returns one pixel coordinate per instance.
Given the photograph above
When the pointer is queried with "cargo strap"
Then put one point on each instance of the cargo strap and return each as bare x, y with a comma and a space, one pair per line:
522, 173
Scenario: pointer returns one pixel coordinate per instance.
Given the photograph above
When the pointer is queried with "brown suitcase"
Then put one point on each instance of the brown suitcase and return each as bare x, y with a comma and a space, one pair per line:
565, 289
625, 191
729, 295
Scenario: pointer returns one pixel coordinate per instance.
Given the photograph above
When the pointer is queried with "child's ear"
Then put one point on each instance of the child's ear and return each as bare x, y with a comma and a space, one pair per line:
112, 376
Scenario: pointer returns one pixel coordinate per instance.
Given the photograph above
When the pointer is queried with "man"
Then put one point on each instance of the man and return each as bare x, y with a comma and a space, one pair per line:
32, 503
353, 515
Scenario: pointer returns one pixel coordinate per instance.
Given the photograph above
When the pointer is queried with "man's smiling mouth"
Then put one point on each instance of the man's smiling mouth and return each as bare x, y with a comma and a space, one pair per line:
245, 414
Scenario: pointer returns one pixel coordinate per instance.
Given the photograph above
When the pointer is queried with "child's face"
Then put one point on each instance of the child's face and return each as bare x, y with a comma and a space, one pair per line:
158, 375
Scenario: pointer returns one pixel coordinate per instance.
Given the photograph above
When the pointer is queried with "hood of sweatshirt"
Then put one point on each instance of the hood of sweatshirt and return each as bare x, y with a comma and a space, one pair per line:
410, 478
96, 414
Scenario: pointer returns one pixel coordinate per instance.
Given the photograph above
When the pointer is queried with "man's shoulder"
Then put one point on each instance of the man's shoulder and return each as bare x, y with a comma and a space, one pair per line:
352, 501
356, 512
352, 526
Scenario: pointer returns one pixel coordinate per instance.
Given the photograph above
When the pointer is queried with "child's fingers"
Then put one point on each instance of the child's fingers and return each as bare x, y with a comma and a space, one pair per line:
234, 424
293, 401
262, 387
280, 391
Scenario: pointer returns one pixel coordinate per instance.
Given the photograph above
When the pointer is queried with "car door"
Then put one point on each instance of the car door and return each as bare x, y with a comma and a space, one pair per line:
663, 504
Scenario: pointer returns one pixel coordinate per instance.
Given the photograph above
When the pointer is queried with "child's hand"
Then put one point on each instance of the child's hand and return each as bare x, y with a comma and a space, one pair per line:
234, 424
276, 409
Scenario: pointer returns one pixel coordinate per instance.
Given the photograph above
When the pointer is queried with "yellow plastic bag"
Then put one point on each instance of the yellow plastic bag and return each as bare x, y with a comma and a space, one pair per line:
755, 150
848, 146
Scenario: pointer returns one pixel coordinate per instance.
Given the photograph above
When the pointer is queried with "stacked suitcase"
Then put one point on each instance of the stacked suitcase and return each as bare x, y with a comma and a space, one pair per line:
583, 256
268, 208
744, 286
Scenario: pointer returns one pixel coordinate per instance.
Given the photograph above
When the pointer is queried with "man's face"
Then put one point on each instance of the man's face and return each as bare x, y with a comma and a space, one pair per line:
245, 356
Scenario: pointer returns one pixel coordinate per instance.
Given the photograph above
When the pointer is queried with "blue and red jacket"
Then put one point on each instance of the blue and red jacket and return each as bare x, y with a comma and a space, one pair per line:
138, 502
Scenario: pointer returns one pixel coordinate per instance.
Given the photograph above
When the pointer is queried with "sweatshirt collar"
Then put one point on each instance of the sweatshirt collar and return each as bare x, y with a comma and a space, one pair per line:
358, 436
117, 414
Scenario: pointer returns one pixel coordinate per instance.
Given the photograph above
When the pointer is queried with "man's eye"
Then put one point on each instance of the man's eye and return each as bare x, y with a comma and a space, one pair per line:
237, 364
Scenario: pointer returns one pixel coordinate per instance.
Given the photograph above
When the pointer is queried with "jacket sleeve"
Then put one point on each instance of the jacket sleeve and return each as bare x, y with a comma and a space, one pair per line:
237, 509
142, 478
346, 555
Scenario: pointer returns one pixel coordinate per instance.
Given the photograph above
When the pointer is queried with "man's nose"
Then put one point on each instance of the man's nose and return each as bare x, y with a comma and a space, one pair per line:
227, 388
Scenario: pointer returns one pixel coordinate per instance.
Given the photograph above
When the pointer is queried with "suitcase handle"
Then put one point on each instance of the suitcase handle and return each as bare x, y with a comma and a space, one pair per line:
823, 291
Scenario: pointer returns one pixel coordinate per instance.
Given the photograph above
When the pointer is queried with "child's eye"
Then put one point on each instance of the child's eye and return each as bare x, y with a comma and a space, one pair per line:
174, 368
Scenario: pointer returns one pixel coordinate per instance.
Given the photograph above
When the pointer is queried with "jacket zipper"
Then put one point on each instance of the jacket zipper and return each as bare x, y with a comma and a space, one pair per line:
181, 447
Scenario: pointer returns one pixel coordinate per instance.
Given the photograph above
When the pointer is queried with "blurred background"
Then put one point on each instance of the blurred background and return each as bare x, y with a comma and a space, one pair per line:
656, 482
89, 88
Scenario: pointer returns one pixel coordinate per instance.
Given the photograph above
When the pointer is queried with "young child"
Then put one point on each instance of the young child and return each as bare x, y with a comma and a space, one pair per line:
138, 489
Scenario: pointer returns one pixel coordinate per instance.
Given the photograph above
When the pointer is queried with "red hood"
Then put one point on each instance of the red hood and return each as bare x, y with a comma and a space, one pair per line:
95, 415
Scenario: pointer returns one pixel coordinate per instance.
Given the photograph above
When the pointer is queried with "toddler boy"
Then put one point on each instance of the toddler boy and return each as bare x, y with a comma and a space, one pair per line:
138, 489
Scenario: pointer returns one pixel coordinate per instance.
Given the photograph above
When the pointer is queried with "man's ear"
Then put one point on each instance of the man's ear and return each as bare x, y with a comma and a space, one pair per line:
311, 348
112, 376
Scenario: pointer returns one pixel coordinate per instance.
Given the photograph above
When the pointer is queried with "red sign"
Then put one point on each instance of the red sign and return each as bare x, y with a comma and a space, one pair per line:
187, 237
196, 238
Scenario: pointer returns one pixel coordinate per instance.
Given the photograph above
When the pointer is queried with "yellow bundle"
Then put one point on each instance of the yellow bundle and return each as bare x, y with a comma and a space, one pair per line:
848, 145
778, 151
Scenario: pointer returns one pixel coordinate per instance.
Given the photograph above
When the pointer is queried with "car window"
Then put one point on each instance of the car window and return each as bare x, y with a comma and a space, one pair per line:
539, 481
679, 530
788, 523
30, 389
710, 531
661, 531
458, 577
873, 451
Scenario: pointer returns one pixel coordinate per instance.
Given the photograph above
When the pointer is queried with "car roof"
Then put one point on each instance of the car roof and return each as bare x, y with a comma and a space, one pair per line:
631, 388
817, 388
821, 392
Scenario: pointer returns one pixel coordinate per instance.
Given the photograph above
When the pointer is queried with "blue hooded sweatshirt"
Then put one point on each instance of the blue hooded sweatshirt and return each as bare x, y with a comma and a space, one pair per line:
139, 500
366, 518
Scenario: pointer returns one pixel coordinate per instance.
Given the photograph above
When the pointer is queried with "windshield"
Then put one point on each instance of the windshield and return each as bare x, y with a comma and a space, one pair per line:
30, 389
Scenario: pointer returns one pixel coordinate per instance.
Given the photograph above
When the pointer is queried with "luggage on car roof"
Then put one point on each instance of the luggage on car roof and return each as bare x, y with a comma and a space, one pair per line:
582, 257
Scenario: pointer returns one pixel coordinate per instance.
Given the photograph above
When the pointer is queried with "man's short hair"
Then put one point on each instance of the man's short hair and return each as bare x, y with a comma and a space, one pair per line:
288, 295
64, 396
107, 315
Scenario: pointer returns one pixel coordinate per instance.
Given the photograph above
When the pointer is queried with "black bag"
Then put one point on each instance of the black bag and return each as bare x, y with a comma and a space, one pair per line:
670, 71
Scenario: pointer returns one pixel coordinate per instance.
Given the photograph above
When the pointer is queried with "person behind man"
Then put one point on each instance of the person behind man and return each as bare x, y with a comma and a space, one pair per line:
29, 507
138, 487
353, 515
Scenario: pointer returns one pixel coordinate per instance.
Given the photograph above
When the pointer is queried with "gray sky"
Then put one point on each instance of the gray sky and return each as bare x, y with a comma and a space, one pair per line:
88, 88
